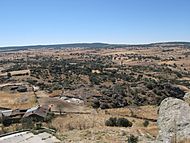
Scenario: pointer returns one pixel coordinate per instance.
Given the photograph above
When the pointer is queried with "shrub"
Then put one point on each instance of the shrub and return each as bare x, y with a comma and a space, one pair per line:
150, 85
122, 122
132, 139
118, 122
104, 106
94, 80
95, 103
27, 123
9, 75
179, 75
49, 117
111, 121
146, 123
118, 89
57, 86
38, 126
6, 122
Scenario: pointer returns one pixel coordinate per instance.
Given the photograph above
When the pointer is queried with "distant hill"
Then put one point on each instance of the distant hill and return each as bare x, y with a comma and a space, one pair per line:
57, 46
94, 45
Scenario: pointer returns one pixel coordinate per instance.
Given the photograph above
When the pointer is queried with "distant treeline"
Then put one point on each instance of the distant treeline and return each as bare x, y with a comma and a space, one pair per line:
95, 45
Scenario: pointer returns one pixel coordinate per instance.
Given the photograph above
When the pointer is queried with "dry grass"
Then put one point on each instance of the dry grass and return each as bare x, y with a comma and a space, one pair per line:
78, 121
77, 127
149, 112
17, 100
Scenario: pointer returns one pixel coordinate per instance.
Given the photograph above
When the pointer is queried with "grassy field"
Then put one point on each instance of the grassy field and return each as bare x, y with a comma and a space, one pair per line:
91, 127
17, 100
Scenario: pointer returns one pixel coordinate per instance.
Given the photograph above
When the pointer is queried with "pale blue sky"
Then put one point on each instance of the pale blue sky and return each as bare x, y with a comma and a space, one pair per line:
30, 22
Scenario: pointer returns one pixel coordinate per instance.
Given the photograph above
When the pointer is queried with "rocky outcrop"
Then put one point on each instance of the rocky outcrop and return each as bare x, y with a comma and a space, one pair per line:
173, 121
187, 97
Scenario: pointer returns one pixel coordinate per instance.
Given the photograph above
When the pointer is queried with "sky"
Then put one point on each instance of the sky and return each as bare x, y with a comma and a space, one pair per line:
31, 22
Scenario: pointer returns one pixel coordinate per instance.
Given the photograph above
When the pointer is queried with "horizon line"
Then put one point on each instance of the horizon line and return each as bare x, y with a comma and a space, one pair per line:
52, 44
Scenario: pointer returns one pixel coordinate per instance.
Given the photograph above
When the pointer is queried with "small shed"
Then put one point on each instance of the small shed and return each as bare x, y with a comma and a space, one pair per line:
5, 113
38, 113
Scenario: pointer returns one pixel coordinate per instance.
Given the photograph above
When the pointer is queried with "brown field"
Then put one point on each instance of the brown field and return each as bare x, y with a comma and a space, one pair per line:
17, 100
91, 127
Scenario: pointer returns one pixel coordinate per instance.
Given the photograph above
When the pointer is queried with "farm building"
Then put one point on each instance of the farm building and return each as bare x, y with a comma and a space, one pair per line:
38, 113
8, 117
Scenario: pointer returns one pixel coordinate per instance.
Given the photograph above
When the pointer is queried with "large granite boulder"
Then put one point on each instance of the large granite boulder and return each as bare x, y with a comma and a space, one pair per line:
173, 121
187, 97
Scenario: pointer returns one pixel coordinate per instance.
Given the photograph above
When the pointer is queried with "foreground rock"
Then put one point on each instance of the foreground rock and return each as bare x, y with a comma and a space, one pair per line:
173, 121
187, 97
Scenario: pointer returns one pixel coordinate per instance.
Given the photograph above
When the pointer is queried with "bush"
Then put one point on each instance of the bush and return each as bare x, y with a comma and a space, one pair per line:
122, 122
118, 122
179, 75
132, 139
49, 117
6, 122
27, 123
9, 75
104, 106
146, 123
111, 121
150, 85
38, 126
94, 80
